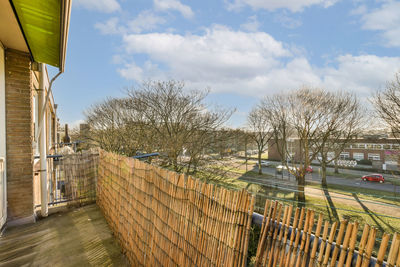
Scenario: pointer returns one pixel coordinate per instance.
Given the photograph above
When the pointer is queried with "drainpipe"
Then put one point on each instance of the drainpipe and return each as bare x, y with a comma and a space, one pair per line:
42, 142
41, 134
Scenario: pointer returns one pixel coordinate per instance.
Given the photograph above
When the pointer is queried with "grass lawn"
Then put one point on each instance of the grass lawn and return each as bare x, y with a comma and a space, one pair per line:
365, 193
343, 175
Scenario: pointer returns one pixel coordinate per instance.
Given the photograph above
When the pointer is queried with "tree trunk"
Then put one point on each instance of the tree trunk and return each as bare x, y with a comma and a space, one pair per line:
301, 197
336, 166
323, 173
259, 163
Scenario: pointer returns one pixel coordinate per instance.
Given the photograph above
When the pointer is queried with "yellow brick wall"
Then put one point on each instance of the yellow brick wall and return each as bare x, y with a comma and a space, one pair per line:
19, 129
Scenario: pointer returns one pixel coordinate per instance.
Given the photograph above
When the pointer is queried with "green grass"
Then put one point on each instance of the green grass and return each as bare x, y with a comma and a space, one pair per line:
365, 193
344, 175
394, 181
264, 156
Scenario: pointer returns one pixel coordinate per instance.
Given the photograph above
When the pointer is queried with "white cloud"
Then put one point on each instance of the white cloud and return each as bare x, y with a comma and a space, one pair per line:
248, 63
385, 19
111, 26
131, 71
251, 25
106, 6
362, 74
146, 20
359, 10
165, 5
292, 5
287, 21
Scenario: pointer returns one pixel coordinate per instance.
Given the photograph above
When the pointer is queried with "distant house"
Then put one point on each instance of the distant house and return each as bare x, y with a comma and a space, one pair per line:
32, 34
382, 151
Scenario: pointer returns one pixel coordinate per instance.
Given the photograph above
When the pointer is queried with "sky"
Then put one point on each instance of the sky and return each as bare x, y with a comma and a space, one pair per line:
241, 50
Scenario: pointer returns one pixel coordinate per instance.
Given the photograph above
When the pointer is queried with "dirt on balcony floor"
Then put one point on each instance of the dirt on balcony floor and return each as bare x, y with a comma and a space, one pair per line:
77, 237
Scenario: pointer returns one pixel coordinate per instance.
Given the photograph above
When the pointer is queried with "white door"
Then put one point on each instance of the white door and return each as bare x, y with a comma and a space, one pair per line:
3, 192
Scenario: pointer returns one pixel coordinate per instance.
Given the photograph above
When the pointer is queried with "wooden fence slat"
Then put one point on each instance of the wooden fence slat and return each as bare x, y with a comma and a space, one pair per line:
323, 243
382, 250
369, 248
316, 239
346, 243
362, 245
339, 238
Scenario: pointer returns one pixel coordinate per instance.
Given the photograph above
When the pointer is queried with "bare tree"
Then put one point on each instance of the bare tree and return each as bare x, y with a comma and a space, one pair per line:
342, 122
387, 105
177, 117
108, 127
299, 115
261, 131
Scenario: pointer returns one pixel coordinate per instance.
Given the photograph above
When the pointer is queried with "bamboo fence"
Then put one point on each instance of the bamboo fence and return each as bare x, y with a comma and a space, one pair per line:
287, 242
75, 177
162, 218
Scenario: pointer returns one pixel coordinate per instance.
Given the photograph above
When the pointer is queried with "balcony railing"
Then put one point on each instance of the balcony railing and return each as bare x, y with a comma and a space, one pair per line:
3, 197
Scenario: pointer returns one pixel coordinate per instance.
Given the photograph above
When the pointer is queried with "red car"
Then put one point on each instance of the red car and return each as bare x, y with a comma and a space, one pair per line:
373, 177
309, 169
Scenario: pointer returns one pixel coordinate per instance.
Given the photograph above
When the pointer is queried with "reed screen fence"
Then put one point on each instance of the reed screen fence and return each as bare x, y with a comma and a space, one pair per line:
73, 177
162, 218
306, 239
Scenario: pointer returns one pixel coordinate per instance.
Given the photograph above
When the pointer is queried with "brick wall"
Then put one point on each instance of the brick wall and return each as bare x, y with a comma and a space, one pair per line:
19, 130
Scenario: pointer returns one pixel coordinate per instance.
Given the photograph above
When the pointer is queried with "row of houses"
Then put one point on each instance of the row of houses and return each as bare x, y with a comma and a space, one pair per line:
32, 34
383, 152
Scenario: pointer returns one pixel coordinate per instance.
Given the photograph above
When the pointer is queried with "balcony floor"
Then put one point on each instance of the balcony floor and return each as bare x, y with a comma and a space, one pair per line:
78, 237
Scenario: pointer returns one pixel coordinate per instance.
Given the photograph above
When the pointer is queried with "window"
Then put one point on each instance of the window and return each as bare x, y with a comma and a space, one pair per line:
376, 146
387, 146
358, 156
345, 155
372, 156
359, 146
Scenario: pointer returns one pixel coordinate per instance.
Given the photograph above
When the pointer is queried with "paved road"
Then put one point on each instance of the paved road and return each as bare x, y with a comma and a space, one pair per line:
315, 177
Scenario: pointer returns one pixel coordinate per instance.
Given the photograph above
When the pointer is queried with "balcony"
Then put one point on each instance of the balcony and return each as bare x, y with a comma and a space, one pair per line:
161, 218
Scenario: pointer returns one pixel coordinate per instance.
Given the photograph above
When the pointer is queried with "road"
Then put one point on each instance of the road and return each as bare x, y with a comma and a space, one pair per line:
315, 177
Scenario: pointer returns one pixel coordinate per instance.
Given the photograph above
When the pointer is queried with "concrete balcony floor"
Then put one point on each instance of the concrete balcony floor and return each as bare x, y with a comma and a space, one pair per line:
77, 237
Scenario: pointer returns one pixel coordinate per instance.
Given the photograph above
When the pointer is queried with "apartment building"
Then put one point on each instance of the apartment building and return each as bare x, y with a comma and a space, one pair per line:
382, 152
32, 34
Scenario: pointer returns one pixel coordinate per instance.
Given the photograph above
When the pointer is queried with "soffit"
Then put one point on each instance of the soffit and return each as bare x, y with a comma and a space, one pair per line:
10, 33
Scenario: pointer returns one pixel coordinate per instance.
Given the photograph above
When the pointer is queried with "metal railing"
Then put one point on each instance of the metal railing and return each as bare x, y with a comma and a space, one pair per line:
3, 196
71, 178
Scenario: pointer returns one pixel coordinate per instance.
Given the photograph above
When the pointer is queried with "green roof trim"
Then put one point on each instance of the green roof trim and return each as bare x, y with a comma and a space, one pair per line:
41, 25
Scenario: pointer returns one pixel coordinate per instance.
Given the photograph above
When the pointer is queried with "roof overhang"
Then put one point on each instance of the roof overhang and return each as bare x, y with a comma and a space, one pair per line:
45, 24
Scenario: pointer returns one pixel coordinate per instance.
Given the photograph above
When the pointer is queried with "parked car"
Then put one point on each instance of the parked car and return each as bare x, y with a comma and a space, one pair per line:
373, 177
280, 168
265, 163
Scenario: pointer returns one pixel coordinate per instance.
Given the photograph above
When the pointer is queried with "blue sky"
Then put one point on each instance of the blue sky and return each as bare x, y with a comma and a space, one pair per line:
241, 49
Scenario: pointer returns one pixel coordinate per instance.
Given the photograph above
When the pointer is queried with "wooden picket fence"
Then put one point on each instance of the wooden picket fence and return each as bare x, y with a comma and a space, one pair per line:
287, 242
162, 218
